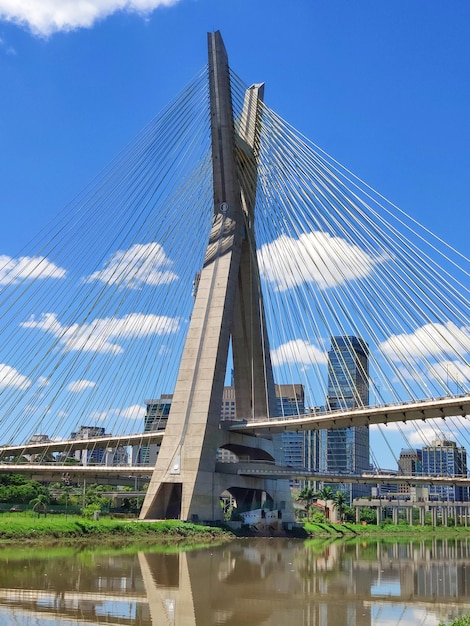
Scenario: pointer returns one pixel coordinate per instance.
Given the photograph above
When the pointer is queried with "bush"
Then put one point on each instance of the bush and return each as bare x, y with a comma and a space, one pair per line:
89, 511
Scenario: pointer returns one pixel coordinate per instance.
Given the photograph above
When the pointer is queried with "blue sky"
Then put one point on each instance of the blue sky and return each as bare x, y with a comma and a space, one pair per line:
381, 86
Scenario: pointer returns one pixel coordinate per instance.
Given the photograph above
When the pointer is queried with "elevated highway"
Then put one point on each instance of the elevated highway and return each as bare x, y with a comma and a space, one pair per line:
71, 445
385, 414
128, 474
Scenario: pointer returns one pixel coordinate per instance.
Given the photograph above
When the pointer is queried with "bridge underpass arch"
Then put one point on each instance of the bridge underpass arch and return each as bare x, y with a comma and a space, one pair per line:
244, 499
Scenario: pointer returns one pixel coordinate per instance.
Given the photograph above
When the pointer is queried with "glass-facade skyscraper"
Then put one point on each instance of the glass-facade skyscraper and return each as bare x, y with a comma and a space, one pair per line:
346, 450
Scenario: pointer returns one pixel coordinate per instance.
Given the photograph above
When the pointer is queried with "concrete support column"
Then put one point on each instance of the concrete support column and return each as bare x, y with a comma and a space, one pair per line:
445, 515
395, 510
422, 515
410, 515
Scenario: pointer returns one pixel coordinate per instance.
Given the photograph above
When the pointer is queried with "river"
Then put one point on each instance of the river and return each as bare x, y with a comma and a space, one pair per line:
249, 582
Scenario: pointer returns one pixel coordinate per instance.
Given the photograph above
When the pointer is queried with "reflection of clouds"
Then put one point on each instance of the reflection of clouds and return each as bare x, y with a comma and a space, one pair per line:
245, 582
406, 616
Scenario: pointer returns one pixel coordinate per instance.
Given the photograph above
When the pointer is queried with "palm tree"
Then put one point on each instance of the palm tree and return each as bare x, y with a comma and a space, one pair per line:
40, 504
325, 494
307, 494
339, 503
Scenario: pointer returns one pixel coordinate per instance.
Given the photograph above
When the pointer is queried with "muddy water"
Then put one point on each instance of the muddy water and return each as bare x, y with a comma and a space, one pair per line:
268, 582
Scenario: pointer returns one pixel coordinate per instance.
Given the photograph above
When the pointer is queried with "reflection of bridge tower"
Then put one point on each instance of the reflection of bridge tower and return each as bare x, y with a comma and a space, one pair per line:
187, 481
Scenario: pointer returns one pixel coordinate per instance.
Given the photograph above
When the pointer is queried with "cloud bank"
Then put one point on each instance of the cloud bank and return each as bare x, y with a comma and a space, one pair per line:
141, 264
45, 17
430, 340
13, 271
80, 385
315, 257
298, 351
133, 412
103, 335
10, 377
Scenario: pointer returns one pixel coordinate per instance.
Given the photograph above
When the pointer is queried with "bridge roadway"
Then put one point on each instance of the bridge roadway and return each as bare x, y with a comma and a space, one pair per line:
92, 443
400, 412
128, 475
345, 418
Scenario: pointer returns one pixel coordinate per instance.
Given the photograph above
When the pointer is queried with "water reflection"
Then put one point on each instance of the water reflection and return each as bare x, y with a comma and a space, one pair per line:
269, 582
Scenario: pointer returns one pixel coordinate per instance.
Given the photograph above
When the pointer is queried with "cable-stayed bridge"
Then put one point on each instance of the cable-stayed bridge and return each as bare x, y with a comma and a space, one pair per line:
223, 246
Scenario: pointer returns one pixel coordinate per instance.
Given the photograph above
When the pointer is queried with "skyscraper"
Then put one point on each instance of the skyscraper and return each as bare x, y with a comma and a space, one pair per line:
444, 458
346, 450
156, 417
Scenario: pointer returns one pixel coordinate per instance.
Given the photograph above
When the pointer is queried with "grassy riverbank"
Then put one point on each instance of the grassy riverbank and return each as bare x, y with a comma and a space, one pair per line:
19, 527
15, 527
461, 621
388, 530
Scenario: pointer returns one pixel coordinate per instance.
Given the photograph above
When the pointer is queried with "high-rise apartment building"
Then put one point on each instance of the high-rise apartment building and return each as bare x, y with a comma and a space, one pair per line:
346, 450
296, 447
95, 455
156, 417
444, 458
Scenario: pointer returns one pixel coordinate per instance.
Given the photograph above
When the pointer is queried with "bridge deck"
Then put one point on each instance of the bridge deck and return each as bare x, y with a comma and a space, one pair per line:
126, 474
70, 445
402, 412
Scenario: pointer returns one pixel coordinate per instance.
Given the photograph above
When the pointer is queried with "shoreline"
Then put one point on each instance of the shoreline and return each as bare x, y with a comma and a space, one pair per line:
76, 530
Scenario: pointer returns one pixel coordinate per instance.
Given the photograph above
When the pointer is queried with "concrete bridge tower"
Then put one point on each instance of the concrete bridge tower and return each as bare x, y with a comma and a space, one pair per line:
188, 481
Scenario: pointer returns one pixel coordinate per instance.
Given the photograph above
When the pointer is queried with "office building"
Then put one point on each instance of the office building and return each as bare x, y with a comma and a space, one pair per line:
346, 450
444, 458
93, 455
156, 417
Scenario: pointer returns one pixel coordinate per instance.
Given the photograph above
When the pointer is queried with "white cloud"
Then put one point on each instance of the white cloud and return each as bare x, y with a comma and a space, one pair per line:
13, 271
80, 385
10, 377
428, 341
417, 433
142, 264
451, 372
103, 335
134, 412
298, 351
315, 257
44, 17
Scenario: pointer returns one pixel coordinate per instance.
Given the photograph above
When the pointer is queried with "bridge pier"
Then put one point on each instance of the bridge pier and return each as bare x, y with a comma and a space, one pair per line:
187, 482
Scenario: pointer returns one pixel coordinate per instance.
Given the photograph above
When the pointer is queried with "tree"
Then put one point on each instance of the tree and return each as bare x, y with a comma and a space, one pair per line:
308, 495
40, 505
339, 503
326, 494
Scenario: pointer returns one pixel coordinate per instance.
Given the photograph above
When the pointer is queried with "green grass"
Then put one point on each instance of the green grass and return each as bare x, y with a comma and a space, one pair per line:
460, 621
349, 530
21, 526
